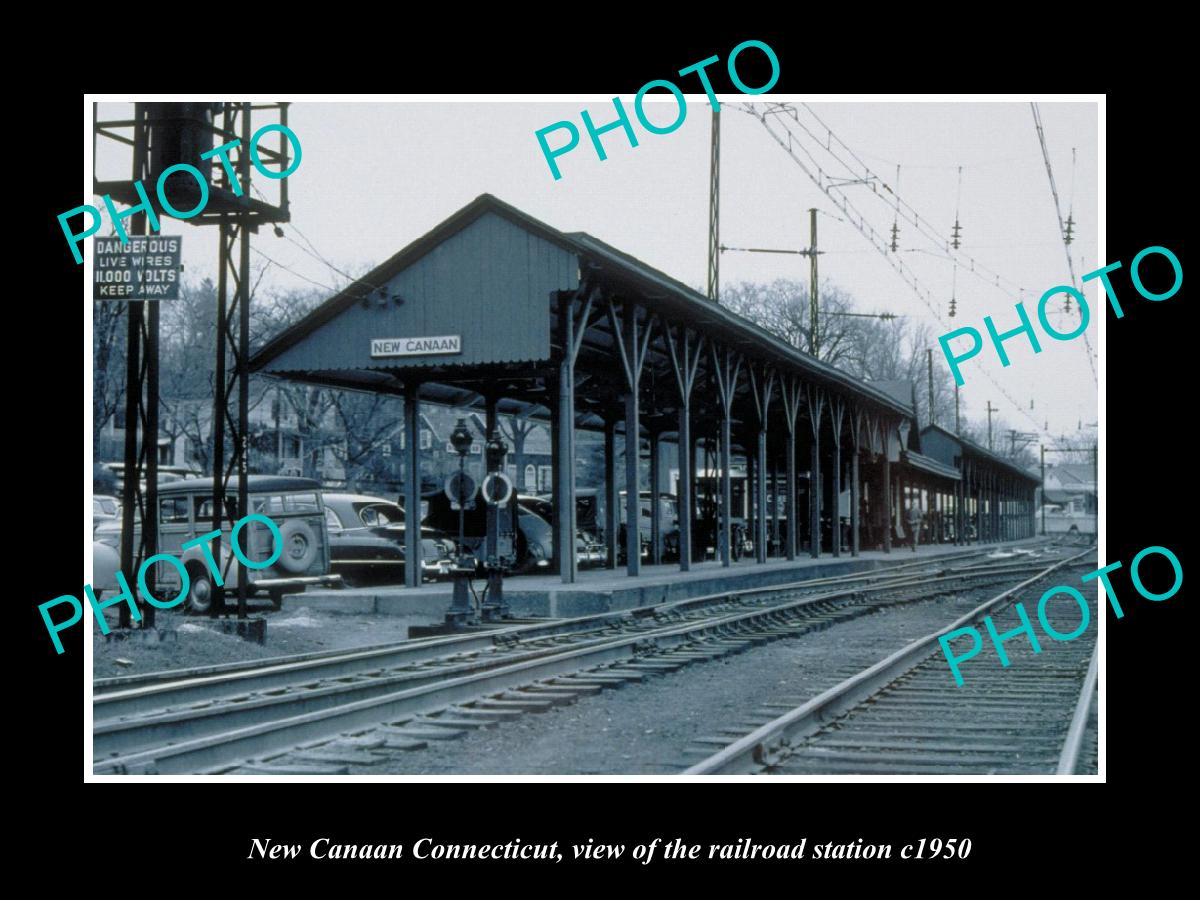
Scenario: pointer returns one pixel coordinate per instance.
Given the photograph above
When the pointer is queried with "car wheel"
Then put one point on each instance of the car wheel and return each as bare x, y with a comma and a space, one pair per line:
201, 592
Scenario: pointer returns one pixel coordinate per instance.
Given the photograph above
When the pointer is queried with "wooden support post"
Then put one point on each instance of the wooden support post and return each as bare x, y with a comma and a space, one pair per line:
887, 488
792, 391
751, 492
687, 502
760, 497
837, 412
816, 403
611, 496
726, 539
412, 485
727, 366
775, 504
572, 328
762, 387
655, 517
855, 501
556, 482
631, 340
633, 488
564, 464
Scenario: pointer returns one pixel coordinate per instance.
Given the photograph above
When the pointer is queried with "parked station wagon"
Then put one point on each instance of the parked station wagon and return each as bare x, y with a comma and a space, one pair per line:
185, 512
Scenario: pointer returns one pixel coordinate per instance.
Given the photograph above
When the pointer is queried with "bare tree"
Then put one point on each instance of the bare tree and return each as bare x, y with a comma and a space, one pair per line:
865, 346
782, 308
108, 365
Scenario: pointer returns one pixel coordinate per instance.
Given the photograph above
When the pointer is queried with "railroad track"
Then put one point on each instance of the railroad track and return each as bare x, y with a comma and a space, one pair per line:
439, 688
119, 695
904, 714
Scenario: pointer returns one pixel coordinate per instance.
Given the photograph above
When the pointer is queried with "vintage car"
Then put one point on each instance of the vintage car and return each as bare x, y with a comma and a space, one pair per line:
366, 541
104, 509
534, 536
589, 551
185, 510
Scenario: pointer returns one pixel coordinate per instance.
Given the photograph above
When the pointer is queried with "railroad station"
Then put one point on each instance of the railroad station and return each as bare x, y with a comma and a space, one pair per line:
570, 330
525, 468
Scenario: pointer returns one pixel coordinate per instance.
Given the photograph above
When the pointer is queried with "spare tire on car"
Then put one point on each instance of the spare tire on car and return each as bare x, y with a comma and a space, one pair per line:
300, 546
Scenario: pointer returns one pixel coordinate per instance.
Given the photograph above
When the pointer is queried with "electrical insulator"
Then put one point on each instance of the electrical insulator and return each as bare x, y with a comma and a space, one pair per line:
953, 307
955, 237
1067, 235
895, 236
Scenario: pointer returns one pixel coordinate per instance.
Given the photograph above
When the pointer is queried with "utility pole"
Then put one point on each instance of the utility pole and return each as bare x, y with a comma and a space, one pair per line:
714, 204
813, 346
957, 424
990, 409
929, 360
1043, 490
1096, 488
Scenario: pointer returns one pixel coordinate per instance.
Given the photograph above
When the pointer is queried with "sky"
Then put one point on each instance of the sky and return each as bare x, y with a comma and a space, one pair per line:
376, 175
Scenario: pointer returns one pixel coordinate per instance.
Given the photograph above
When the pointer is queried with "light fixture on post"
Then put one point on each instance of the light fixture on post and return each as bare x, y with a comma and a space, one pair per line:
461, 488
497, 490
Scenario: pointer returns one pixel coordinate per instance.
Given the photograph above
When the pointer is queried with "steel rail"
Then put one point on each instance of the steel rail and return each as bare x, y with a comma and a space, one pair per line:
188, 715
753, 752
137, 693
116, 711
1069, 760
237, 735
483, 637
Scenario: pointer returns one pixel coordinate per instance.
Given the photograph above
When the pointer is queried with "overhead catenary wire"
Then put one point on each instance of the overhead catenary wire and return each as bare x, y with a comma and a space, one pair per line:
908, 212
791, 143
316, 254
286, 268
1041, 133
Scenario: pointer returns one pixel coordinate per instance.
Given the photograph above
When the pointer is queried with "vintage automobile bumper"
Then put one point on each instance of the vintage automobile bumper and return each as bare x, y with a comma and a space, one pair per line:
297, 584
436, 569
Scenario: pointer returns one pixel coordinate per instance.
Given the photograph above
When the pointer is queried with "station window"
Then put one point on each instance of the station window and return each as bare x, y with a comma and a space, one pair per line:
545, 478
426, 439
530, 477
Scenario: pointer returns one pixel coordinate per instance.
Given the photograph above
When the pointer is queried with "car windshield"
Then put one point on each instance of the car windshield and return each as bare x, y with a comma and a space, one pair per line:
379, 513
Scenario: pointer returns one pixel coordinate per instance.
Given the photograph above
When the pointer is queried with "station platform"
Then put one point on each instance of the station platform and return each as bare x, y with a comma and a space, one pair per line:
607, 590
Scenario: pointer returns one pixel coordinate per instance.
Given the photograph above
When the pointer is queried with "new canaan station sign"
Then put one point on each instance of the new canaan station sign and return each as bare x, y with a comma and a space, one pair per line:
416, 346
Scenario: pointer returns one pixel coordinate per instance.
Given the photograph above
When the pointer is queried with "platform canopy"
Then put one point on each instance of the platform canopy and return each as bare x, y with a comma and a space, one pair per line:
491, 282
497, 311
955, 451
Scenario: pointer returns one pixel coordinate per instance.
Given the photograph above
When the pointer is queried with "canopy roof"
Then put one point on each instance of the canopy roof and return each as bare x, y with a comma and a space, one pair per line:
495, 277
